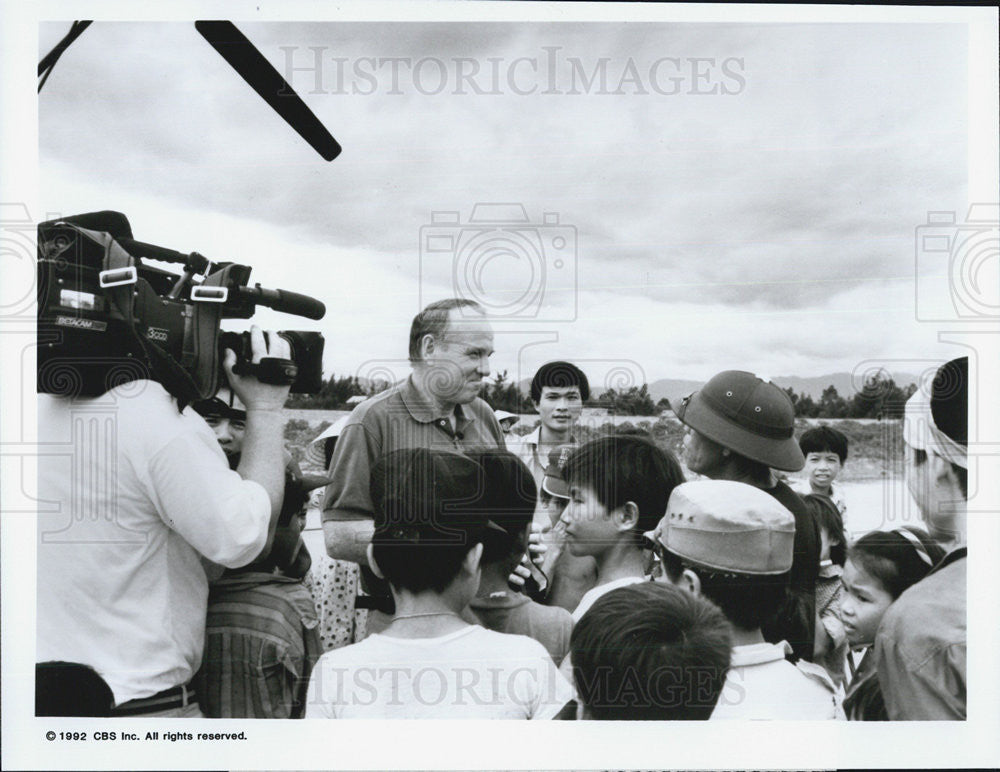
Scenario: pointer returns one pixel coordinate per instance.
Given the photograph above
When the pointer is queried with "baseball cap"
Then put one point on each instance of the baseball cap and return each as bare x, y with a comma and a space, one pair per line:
729, 526
553, 482
225, 404
748, 415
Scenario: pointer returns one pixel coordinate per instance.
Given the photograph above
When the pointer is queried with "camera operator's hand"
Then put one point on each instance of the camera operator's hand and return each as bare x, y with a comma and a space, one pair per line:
253, 393
262, 459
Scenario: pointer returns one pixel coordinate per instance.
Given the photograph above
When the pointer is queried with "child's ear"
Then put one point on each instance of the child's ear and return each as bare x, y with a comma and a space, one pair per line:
372, 564
627, 515
473, 558
691, 582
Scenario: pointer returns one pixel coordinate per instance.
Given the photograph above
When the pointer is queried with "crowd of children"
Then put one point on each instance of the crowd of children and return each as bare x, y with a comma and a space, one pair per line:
659, 596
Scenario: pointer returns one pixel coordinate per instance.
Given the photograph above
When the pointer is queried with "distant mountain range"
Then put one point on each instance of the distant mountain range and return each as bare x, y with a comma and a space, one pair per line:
676, 389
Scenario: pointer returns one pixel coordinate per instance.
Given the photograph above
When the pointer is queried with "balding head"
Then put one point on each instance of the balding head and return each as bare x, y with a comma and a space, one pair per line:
435, 319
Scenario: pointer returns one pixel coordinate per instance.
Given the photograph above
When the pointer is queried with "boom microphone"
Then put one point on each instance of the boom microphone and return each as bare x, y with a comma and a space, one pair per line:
261, 76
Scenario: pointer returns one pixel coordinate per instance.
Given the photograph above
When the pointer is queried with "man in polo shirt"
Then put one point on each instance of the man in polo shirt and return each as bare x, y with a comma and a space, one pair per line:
437, 407
558, 392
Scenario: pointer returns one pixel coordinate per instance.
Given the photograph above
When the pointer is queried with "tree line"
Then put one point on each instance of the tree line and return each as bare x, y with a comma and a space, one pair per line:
881, 397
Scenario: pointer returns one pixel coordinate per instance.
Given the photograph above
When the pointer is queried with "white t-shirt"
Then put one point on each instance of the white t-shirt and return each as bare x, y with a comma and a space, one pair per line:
762, 684
470, 673
525, 448
131, 492
594, 593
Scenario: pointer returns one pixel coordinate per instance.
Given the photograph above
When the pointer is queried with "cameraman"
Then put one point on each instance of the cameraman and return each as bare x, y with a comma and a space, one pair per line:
120, 584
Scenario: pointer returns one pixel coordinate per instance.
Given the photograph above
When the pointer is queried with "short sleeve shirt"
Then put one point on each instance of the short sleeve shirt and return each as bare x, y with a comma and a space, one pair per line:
394, 420
471, 673
762, 684
526, 449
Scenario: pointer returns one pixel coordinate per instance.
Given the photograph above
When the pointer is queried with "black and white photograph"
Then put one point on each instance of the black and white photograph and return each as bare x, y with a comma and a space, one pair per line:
451, 364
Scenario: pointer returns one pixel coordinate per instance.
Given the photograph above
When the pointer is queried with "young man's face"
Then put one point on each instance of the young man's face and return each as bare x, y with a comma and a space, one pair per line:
590, 529
559, 408
862, 604
937, 495
822, 468
702, 455
229, 433
460, 361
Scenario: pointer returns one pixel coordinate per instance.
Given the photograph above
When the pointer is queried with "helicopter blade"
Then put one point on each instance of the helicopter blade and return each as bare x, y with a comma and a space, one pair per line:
251, 65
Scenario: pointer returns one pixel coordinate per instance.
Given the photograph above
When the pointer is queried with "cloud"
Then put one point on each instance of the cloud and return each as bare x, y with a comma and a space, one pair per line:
786, 207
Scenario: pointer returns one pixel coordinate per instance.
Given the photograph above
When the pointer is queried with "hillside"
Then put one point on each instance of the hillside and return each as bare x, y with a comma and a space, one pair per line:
675, 388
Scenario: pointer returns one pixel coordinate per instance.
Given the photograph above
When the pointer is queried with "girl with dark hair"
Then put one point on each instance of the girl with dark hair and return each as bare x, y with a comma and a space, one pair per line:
880, 566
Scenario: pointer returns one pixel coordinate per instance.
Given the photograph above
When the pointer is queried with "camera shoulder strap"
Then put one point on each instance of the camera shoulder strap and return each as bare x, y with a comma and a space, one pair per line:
121, 298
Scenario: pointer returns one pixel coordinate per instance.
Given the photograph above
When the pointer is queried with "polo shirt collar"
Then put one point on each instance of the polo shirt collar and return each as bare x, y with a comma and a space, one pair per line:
422, 410
759, 653
534, 437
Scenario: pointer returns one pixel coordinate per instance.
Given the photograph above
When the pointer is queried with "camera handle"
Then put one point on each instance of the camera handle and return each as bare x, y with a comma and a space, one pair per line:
271, 370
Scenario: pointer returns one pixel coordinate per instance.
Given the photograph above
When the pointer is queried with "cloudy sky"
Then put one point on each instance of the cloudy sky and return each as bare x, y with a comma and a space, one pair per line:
696, 197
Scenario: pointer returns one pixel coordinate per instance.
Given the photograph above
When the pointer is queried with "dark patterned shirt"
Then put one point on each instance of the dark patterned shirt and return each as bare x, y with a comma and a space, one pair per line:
261, 642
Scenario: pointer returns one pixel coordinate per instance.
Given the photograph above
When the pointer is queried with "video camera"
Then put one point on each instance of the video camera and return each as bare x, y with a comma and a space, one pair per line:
106, 317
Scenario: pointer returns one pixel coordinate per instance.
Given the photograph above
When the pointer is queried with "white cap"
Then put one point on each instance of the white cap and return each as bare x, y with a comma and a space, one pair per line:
503, 415
314, 451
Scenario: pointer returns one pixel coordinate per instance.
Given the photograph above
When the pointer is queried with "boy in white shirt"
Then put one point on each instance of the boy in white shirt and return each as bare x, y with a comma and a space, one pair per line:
429, 662
619, 486
650, 652
732, 543
825, 451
